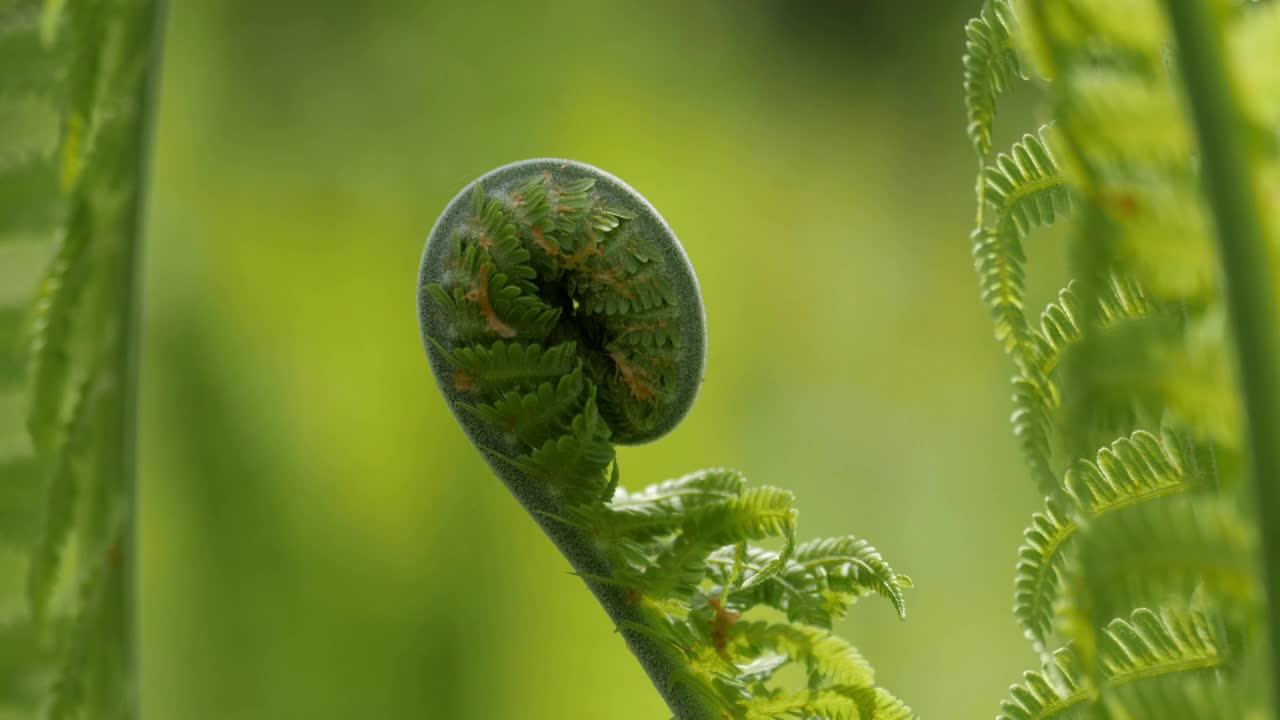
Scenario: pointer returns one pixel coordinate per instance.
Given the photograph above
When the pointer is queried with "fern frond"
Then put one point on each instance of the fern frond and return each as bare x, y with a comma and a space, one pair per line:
61, 492
55, 306
818, 583
1141, 649
1036, 396
12, 337
757, 513
1254, 40
1024, 191
1194, 696
21, 47
503, 365
1157, 551
1131, 471
536, 416
661, 509
30, 200
825, 656
21, 490
574, 463
998, 259
990, 63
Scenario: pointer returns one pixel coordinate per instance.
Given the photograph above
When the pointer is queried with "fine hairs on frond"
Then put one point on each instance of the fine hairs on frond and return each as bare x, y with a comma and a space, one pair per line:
561, 317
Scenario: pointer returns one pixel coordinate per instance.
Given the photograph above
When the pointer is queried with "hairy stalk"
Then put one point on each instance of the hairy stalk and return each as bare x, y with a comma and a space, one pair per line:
1229, 182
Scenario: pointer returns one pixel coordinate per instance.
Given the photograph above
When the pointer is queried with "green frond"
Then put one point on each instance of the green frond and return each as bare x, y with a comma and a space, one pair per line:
1198, 384
1142, 649
61, 491
1036, 396
25, 653
755, 514
21, 47
1158, 551
1254, 40
574, 463
30, 200
827, 658
21, 492
537, 416
998, 259
505, 365
662, 508
1131, 471
1136, 25
990, 63
818, 582
835, 703
1127, 121
1194, 696
12, 339
1024, 188
55, 306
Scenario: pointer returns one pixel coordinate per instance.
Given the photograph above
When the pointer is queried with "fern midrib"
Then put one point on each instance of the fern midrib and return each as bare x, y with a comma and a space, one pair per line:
1075, 698
633, 502
1069, 528
1022, 191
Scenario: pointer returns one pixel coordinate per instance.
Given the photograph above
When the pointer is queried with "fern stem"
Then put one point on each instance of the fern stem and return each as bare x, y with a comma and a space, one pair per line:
1229, 185
130, 304
661, 663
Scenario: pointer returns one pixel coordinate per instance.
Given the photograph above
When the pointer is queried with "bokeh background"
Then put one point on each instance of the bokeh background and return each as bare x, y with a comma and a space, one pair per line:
320, 541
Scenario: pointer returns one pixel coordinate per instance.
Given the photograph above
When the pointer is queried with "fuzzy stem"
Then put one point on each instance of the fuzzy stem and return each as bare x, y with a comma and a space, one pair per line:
1246, 267
662, 664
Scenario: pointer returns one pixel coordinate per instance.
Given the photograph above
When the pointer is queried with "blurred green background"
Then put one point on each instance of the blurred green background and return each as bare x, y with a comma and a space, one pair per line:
320, 541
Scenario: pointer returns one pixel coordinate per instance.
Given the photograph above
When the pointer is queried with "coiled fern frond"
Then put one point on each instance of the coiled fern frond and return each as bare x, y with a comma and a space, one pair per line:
561, 316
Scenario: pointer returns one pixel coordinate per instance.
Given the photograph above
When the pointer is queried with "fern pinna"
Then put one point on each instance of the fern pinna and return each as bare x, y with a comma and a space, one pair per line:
1142, 565
74, 116
561, 315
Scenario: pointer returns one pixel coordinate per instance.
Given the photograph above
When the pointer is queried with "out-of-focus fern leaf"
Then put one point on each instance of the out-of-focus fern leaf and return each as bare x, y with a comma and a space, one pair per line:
1194, 696
21, 489
55, 308
1036, 396
1142, 649
12, 336
1131, 471
62, 489
1171, 549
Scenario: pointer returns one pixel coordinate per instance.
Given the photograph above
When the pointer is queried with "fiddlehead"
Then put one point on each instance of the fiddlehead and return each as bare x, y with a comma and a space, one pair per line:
560, 316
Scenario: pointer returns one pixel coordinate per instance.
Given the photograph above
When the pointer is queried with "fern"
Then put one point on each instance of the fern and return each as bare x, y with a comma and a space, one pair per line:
560, 316
1145, 647
1131, 471
74, 114
989, 65
1152, 171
